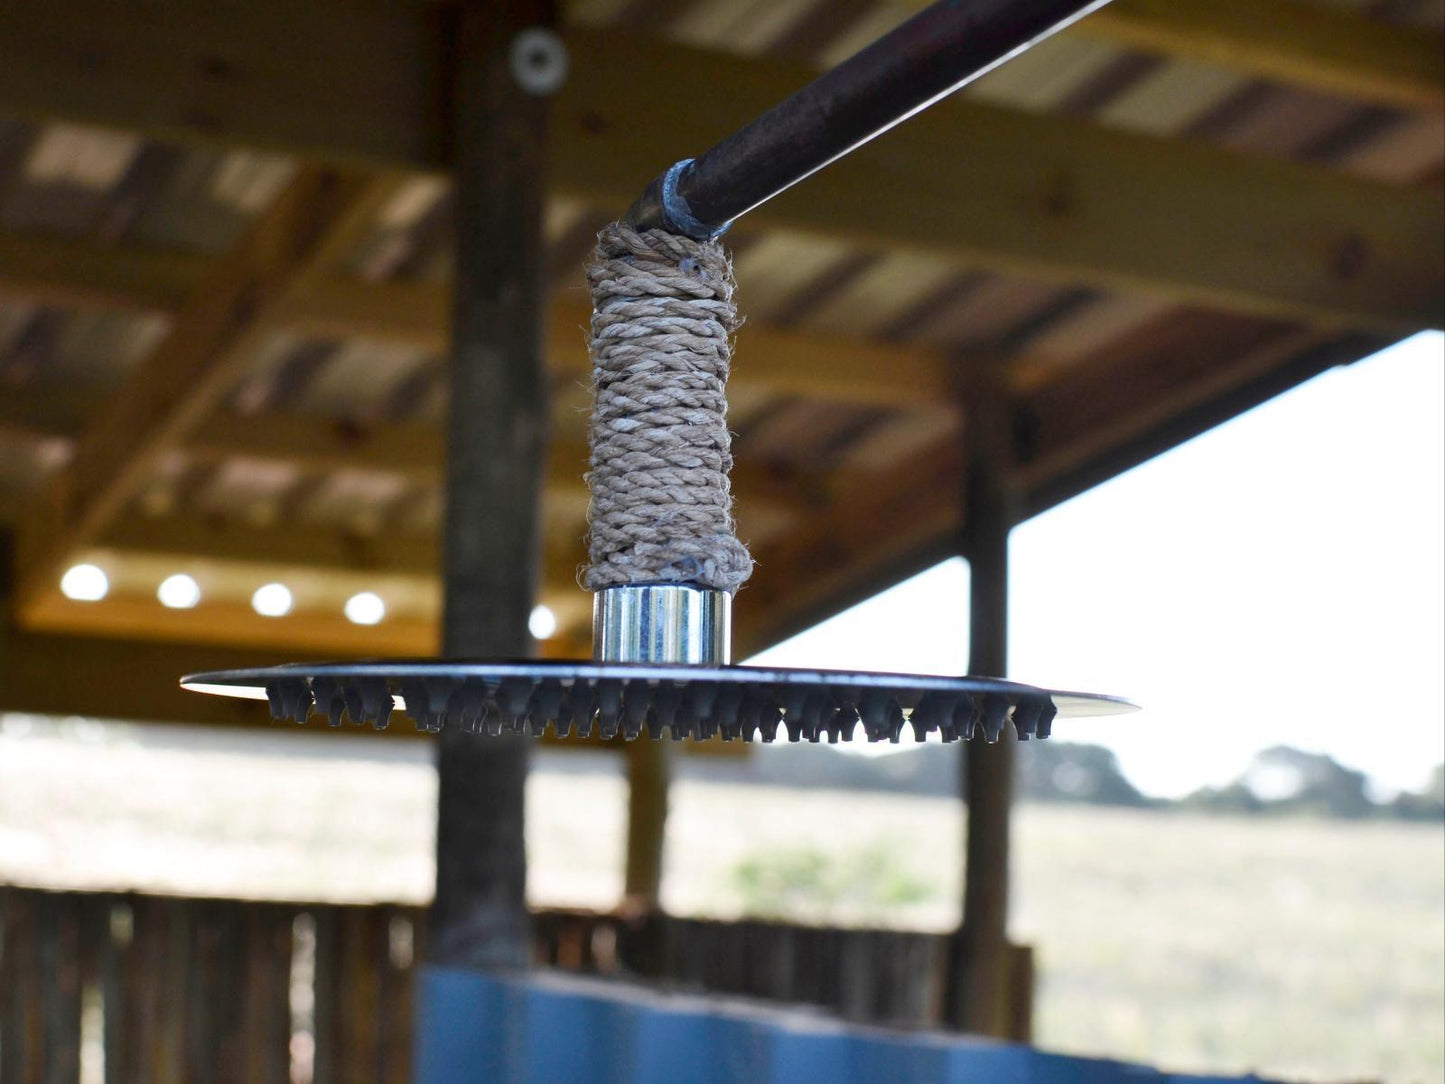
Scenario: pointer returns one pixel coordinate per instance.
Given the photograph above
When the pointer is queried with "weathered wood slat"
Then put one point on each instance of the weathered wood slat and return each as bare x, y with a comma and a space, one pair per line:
171, 927
352, 964
327, 306
396, 947
264, 995
214, 1037
59, 953
94, 939
115, 948
359, 994
327, 997
1296, 41
142, 980
200, 990
21, 1052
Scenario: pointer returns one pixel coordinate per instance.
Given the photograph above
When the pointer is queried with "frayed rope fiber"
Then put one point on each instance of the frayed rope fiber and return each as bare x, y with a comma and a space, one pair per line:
662, 322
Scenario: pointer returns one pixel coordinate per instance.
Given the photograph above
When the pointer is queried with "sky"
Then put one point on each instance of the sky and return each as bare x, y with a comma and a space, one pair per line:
1277, 580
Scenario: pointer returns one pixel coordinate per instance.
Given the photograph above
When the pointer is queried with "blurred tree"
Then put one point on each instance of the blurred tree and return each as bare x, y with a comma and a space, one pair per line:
1068, 772
1427, 804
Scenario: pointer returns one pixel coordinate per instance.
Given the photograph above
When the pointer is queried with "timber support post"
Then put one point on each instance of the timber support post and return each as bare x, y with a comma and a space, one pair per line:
648, 776
981, 974
495, 457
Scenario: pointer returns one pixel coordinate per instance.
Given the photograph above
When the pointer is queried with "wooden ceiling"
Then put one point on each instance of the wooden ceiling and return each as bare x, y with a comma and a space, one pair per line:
224, 252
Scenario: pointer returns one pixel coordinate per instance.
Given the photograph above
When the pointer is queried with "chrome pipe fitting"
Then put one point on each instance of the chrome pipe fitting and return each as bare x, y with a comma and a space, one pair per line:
664, 622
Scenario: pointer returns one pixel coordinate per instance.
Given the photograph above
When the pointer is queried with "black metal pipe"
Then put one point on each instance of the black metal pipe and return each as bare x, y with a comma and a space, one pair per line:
940, 49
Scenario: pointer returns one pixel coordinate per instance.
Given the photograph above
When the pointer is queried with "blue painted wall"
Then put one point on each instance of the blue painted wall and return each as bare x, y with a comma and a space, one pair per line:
551, 1029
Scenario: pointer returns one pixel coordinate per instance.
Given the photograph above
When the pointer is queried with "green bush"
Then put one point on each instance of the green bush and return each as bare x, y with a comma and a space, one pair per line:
802, 884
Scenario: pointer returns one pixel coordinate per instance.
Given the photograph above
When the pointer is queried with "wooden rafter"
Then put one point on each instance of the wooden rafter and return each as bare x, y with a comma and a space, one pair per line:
1336, 251
1101, 444
415, 449
800, 574
863, 542
136, 679
1047, 196
780, 361
1291, 41
402, 552
869, 537
123, 679
845, 554
198, 362
1301, 42
64, 272
328, 305
233, 625
847, 557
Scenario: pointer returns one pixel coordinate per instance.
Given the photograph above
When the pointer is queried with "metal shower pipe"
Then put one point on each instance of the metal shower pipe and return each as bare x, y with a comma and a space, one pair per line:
942, 48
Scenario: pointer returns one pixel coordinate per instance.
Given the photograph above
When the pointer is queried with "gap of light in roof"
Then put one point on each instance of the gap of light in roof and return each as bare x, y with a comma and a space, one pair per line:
365, 608
179, 592
542, 623
85, 583
272, 600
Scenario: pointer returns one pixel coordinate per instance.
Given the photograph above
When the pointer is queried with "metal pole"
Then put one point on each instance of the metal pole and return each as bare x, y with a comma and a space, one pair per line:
981, 977
939, 50
495, 457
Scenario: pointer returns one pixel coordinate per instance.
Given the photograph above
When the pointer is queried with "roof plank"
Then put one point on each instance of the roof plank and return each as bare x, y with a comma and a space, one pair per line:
66, 273
206, 350
137, 678
416, 313
415, 450
233, 625
1290, 41
803, 576
784, 362
1041, 195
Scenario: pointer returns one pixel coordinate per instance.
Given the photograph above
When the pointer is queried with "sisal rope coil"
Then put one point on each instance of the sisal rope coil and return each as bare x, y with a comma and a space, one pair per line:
662, 322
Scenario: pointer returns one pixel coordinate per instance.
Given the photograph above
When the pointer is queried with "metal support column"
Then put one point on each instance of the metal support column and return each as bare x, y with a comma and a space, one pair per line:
495, 458
978, 1001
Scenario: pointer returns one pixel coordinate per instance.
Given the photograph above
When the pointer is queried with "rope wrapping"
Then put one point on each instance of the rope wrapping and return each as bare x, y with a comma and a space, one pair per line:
662, 321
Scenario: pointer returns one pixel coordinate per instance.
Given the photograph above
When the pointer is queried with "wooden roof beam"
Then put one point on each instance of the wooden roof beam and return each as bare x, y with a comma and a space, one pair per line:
1091, 430
67, 273
233, 625
392, 552
123, 679
1301, 42
1089, 433
1043, 196
210, 343
414, 449
806, 575
328, 305
323, 564
784, 362
836, 559
864, 541
136, 679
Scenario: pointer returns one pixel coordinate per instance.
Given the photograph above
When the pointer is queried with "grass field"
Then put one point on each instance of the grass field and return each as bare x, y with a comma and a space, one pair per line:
1300, 948
1297, 948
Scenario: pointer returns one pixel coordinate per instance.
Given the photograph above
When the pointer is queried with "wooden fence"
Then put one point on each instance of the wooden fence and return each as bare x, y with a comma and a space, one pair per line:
168, 989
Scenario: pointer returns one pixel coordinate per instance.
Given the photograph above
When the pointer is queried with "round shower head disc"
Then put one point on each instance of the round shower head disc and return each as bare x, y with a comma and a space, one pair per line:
583, 699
